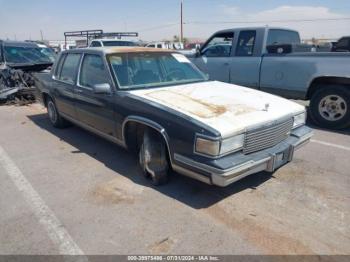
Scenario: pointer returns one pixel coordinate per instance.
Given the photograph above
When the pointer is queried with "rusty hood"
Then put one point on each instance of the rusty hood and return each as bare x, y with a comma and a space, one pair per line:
228, 108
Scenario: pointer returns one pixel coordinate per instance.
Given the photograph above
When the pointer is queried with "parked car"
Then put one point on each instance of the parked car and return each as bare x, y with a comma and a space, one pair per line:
111, 42
268, 59
157, 103
343, 45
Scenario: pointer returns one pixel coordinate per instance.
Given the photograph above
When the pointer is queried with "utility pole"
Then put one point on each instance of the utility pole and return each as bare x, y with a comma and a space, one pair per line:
42, 36
182, 29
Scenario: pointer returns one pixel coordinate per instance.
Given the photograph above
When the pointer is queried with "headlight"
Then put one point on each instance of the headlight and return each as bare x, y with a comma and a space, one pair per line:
299, 120
217, 147
232, 144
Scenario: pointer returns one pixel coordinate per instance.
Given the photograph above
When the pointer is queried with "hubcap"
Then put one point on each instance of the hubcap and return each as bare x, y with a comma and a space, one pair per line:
332, 107
52, 112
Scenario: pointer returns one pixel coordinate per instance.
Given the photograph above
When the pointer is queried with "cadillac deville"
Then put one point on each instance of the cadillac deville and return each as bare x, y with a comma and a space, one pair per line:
158, 104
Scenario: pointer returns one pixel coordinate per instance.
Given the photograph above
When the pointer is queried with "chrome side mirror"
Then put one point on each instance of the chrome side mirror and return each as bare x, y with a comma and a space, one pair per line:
104, 88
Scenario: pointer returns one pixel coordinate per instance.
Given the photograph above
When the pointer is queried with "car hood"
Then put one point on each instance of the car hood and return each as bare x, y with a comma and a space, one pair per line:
228, 108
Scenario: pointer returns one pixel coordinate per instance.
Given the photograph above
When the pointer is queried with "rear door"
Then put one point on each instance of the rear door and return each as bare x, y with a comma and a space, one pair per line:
64, 81
246, 60
215, 56
95, 110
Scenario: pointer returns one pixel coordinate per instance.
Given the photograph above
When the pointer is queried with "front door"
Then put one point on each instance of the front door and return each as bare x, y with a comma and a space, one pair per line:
95, 109
215, 57
246, 60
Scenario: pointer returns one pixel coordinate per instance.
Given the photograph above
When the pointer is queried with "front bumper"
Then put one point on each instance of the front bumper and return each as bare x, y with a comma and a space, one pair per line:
244, 165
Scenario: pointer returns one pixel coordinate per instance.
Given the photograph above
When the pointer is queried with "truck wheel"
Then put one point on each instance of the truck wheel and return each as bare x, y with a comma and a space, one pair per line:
330, 107
55, 118
153, 158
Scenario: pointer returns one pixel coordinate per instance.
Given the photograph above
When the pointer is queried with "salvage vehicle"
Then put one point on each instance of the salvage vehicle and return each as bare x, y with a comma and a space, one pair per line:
18, 60
274, 61
157, 103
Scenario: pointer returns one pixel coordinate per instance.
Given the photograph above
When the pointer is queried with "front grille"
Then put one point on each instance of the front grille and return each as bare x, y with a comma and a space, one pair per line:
266, 137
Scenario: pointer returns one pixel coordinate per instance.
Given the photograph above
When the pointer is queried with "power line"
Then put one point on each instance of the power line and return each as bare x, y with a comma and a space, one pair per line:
268, 21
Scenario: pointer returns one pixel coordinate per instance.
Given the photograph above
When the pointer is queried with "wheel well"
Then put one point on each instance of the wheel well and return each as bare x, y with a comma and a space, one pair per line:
322, 82
133, 134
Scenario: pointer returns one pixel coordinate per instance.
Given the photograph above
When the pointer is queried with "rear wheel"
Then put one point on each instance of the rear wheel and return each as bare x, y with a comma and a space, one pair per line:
330, 107
153, 158
54, 116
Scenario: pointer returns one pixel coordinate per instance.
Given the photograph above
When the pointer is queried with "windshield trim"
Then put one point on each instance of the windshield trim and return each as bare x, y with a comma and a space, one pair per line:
161, 84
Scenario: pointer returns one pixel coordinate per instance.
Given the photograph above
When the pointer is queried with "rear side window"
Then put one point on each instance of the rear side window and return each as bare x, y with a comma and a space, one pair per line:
70, 68
246, 42
278, 36
93, 71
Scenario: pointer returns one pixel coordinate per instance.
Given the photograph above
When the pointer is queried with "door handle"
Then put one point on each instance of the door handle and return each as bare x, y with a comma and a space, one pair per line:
79, 90
226, 64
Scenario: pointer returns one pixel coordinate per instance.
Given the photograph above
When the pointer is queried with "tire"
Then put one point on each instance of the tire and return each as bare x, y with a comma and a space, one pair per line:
153, 158
54, 116
330, 107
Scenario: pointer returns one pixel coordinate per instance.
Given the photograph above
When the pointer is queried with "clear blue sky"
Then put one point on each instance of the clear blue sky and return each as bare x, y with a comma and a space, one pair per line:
159, 19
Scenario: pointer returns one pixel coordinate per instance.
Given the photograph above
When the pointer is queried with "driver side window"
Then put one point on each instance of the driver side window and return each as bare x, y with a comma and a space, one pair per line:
219, 46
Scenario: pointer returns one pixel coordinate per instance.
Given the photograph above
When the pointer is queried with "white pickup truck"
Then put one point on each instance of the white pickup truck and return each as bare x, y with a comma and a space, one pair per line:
272, 60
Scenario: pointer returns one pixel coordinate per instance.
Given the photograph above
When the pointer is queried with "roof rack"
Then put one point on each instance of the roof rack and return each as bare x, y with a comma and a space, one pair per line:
92, 34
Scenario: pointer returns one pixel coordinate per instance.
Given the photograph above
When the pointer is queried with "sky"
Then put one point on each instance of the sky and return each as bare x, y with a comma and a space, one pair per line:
160, 19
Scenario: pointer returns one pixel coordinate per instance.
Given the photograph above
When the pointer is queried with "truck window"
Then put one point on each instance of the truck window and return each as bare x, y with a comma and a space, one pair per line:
219, 46
69, 68
93, 71
246, 42
95, 44
279, 36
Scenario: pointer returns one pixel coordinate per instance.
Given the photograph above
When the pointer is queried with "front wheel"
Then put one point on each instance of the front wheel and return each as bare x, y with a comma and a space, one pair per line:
330, 107
153, 158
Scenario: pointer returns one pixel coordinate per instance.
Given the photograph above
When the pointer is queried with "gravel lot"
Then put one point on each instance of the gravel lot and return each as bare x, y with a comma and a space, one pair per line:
68, 191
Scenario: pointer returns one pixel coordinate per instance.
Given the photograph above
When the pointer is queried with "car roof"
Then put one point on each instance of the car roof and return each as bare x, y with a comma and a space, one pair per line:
19, 43
116, 50
255, 28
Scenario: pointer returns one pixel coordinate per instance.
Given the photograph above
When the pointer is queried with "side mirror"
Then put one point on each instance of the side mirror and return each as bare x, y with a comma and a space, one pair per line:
104, 88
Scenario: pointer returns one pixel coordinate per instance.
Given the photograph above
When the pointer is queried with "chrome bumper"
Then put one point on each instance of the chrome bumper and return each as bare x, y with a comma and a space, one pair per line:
270, 160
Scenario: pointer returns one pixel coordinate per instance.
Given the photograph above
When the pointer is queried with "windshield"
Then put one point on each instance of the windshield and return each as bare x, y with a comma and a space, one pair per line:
145, 70
48, 52
118, 43
15, 54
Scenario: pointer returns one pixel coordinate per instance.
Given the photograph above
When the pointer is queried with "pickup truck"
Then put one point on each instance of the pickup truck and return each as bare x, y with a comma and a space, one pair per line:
158, 104
272, 60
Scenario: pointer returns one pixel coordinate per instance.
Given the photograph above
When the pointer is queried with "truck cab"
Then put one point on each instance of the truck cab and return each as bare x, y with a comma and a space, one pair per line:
235, 55
274, 60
